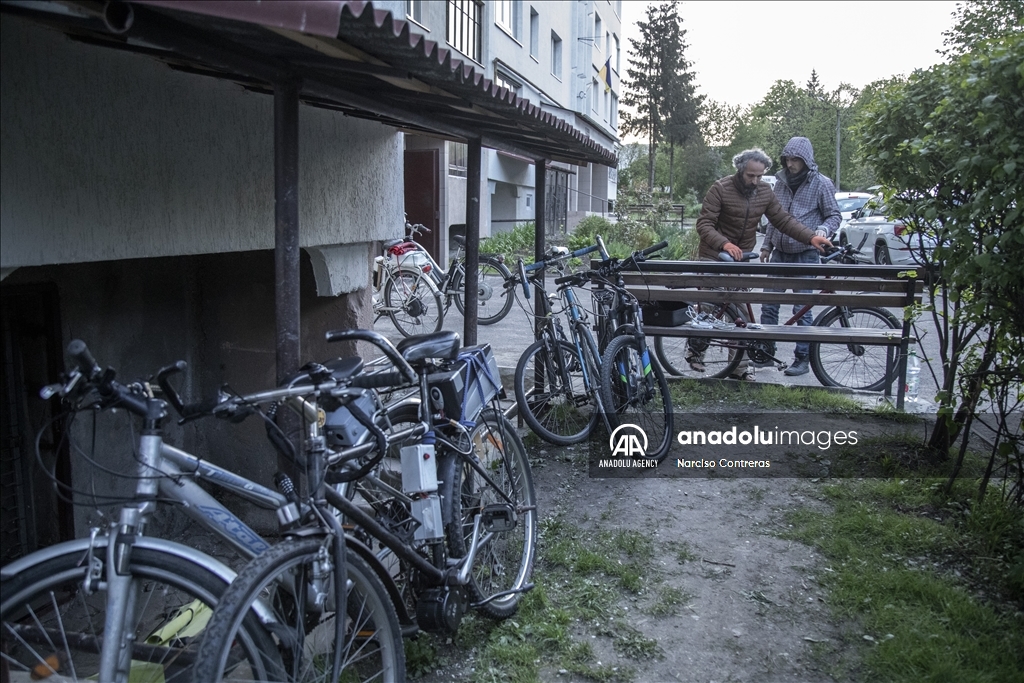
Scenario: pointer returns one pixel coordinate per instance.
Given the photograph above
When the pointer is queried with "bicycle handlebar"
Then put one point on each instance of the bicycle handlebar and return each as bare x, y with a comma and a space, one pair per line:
382, 343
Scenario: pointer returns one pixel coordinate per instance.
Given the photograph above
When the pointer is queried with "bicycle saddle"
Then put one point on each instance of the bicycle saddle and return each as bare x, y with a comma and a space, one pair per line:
444, 344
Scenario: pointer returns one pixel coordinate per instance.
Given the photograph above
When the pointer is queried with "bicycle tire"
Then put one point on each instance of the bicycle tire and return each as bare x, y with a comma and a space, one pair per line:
414, 303
720, 357
505, 563
52, 627
373, 647
495, 299
632, 394
562, 411
854, 366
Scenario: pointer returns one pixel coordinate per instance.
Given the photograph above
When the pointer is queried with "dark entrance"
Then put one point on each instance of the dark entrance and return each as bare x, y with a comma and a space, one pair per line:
556, 202
423, 196
31, 515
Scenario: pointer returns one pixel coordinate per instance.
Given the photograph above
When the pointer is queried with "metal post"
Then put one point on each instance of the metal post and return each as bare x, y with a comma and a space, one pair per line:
473, 164
286, 226
541, 195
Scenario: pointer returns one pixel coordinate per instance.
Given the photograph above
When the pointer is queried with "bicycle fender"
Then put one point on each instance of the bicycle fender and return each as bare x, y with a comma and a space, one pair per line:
81, 546
359, 548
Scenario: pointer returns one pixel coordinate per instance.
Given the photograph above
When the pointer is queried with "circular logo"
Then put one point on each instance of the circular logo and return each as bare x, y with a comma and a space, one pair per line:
628, 440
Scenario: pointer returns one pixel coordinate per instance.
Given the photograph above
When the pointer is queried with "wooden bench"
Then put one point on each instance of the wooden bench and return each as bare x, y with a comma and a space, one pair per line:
846, 285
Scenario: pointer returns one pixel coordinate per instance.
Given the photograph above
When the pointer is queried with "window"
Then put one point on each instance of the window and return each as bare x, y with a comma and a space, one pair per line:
507, 16
529, 200
593, 96
414, 10
556, 56
613, 115
616, 39
608, 43
505, 81
464, 27
598, 30
457, 159
534, 33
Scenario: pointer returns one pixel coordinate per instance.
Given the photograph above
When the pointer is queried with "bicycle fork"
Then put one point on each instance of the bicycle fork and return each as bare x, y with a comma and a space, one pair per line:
122, 593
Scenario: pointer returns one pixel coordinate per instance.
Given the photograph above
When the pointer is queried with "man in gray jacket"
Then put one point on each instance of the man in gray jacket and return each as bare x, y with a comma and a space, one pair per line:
811, 198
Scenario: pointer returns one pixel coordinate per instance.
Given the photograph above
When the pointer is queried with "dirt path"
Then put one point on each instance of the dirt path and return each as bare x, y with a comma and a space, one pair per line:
752, 609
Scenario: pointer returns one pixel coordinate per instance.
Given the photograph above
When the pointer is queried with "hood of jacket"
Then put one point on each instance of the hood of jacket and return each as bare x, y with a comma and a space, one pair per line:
800, 148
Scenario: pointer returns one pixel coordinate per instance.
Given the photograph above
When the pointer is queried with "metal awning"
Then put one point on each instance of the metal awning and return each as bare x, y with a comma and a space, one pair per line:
345, 56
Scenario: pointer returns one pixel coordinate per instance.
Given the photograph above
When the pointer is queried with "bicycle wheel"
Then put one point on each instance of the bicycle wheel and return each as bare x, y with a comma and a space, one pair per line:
494, 300
552, 393
414, 304
634, 391
855, 366
504, 562
53, 627
283, 577
695, 357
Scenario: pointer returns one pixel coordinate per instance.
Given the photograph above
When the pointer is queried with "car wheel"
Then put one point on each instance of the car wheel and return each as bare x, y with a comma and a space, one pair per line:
882, 255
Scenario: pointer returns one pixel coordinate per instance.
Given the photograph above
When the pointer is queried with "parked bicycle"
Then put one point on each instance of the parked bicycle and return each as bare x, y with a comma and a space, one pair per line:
611, 373
121, 605
494, 299
405, 293
458, 519
854, 366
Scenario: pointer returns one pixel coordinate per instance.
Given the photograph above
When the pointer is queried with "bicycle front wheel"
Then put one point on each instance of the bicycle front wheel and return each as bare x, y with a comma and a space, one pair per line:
634, 391
695, 357
552, 393
53, 626
283, 577
494, 300
503, 484
854, 366
413, 303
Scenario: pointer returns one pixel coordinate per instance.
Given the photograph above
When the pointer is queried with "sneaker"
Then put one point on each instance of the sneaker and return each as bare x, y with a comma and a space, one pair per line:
799, 367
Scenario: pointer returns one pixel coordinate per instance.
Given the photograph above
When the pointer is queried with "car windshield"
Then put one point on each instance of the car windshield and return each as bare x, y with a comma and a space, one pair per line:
852, 204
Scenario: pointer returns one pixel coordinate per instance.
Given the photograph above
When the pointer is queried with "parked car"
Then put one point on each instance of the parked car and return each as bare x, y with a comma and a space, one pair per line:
850, 202
879, 239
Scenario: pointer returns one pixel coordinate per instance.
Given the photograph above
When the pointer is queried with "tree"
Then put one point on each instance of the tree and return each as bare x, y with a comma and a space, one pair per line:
658, 85
978, 20
948, 143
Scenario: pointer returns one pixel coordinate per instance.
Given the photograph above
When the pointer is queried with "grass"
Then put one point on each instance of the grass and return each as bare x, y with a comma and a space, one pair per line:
581, 579
691, 393
933, 586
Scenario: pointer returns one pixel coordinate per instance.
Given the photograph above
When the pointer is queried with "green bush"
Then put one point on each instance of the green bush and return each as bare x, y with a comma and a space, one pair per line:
517, 243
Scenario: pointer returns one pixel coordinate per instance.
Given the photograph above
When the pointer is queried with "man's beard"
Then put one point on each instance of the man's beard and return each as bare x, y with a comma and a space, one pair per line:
749, 190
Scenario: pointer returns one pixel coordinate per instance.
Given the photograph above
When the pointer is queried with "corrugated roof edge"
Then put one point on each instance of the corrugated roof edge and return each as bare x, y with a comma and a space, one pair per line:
464, 72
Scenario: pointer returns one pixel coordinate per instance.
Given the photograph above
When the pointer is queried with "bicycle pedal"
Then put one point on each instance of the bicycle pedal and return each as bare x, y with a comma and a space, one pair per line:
498, 517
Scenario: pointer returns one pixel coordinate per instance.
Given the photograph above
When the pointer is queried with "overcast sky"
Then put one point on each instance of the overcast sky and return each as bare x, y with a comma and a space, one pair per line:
739, 49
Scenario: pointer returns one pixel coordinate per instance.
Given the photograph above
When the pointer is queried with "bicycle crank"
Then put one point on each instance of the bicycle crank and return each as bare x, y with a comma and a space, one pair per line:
762, 352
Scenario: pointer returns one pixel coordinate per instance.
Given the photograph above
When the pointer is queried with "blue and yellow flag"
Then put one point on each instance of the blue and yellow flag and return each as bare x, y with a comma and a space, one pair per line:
605, 74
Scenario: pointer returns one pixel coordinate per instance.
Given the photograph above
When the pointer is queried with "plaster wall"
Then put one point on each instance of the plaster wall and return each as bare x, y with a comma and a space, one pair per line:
108, 155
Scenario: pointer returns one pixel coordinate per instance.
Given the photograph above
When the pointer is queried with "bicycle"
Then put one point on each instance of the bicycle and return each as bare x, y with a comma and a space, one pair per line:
557, 378
461, 528
627, 386
854, 366
120, 605
405, 294
494, 299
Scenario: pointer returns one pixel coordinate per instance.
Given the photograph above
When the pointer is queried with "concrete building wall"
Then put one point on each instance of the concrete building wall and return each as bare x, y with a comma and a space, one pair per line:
213, 311
108, 155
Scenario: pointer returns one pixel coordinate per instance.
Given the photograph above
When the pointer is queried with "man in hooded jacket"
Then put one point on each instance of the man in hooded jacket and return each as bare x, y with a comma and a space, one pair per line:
811, 198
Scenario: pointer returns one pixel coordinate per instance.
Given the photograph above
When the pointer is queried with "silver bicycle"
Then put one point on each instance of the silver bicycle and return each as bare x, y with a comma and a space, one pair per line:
123, 606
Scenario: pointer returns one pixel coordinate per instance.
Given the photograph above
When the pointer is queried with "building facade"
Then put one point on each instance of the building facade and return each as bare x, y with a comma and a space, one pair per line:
563, 55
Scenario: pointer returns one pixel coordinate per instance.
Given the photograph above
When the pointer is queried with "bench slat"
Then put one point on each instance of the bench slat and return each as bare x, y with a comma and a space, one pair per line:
825, 335
680, 280
644, 294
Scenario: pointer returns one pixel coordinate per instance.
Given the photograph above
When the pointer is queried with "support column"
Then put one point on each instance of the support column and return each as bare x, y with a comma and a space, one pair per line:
473, 163
540, 168
286, 226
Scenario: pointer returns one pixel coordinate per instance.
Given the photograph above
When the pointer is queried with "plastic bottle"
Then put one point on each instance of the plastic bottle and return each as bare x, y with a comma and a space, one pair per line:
913, 376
